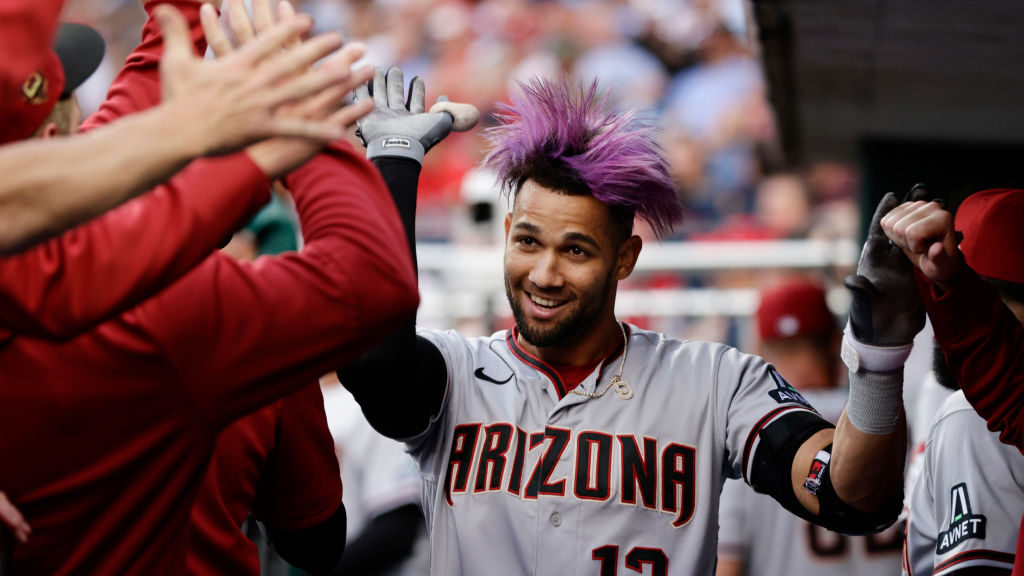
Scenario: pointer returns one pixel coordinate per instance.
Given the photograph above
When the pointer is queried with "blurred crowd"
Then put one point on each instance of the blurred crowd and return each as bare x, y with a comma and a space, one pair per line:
693, 76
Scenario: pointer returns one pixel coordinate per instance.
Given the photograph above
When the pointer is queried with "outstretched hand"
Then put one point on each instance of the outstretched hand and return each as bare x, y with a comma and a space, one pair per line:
317, 95
400, 126
239, 95
886, 309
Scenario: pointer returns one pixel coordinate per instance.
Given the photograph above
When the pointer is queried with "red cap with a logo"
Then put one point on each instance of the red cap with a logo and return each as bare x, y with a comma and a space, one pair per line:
26, 108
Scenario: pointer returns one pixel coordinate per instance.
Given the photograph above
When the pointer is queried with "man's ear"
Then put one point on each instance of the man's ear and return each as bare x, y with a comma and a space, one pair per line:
49, 130
508, 224
625, 260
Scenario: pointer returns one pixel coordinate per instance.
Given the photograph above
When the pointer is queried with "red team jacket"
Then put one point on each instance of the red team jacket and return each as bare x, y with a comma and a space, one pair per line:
104, 438
277, 463
983, 344
62, 287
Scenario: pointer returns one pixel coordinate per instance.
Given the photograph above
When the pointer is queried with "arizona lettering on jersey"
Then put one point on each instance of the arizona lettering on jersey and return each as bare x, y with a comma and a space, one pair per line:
521, 477
663, 477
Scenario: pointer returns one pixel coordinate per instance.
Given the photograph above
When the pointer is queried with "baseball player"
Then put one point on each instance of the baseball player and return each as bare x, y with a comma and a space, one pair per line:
575, 443
799, 336
209, 108
104, 450
973, 287
967, 502
65, 286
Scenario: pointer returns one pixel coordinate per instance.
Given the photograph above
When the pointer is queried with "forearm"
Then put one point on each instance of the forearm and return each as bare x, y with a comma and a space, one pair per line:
866, 469
65, 285
981, 340
53, 185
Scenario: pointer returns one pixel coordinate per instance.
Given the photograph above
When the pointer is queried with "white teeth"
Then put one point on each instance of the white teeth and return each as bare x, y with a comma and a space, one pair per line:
544, 302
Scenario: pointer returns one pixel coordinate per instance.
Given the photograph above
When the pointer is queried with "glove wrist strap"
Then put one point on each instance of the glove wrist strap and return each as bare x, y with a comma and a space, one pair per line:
859, 356
397, 147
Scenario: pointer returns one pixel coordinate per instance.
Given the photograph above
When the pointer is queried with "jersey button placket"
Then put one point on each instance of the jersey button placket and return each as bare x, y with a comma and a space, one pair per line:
555, 519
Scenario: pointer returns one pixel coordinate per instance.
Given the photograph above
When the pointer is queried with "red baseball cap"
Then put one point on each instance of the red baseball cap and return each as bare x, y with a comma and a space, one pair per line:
794, 308
992, 224
26, 108
77, 52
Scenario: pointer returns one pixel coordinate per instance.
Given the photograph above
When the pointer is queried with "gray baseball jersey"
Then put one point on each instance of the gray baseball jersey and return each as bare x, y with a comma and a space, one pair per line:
770, 541
521, 477
966, 504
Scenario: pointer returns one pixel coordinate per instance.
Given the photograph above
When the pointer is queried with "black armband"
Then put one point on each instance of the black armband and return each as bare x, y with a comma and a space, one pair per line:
839, 516
773, 463
772, 474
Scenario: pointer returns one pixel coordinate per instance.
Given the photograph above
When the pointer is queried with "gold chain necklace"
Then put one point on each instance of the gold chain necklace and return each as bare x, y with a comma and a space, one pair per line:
622, 388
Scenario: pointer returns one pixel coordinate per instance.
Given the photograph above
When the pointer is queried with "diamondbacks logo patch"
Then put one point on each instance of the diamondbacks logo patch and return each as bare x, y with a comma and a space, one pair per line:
784, 393
35, 88
963, 525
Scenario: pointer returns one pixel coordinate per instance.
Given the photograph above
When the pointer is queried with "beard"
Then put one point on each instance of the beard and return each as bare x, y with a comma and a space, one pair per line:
583, 312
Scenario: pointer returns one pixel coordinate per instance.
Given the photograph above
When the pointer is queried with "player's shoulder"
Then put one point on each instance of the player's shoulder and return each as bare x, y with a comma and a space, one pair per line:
956, 409
653, 343
454, 344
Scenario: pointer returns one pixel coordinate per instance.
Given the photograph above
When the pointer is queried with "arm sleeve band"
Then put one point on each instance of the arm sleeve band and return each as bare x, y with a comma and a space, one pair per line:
400, 384
772, 475
773, 462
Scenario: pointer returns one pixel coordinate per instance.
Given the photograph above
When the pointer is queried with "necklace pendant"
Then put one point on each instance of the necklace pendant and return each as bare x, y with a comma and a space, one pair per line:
622, 388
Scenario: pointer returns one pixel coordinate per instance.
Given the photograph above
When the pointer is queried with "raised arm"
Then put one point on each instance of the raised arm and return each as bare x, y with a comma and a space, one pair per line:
404, 361
850, 478
66, 285
979, 335
210, 108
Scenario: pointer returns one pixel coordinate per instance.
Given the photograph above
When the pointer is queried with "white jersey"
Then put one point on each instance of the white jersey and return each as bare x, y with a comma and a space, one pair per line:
770, 541
523, 478
966, 504
377, 474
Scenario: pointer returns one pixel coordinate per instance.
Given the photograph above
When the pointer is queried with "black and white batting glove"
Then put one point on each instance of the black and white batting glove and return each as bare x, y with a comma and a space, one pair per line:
401, 126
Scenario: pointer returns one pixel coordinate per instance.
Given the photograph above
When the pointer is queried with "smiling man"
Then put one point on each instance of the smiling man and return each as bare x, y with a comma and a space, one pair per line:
578, 444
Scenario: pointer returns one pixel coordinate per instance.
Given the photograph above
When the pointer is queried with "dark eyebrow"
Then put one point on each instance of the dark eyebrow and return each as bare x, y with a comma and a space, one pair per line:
527, 227
582, 239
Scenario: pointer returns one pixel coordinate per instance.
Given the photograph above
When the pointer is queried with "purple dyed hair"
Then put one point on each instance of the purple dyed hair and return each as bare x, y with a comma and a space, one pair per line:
611, 154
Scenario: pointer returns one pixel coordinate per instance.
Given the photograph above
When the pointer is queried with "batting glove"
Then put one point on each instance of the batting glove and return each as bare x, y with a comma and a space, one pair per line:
400, 126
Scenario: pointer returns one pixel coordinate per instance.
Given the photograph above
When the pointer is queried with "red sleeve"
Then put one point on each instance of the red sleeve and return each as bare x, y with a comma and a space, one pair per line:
301, 484
27, 28
62, 287
984, 347
137, 85
241, 335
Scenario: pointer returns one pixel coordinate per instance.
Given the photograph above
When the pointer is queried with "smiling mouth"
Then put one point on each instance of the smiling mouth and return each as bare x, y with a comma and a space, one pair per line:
544, 302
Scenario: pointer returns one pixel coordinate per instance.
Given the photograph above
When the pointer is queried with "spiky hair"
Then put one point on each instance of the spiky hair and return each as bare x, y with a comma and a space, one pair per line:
562, 126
